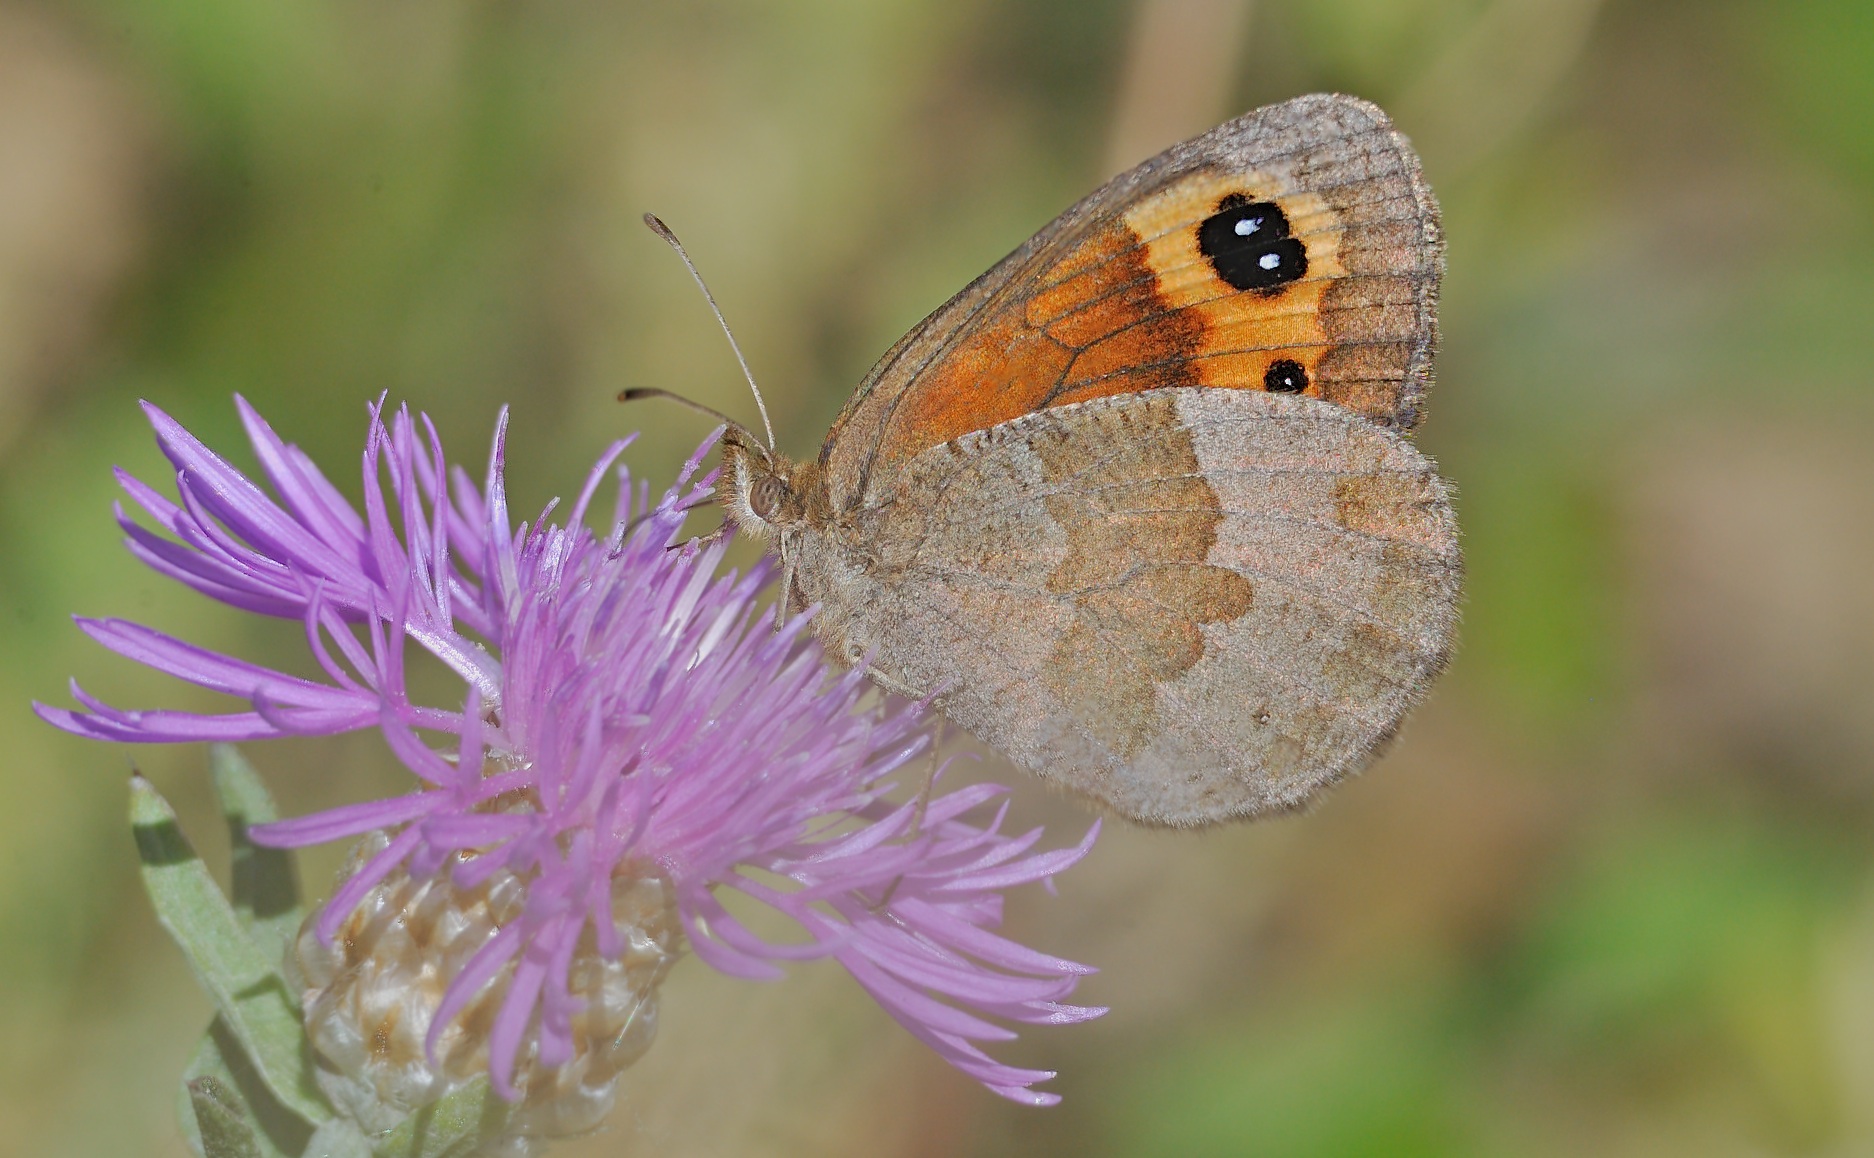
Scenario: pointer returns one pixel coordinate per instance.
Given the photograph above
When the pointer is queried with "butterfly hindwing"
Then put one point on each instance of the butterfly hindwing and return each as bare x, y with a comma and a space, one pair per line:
1189, 604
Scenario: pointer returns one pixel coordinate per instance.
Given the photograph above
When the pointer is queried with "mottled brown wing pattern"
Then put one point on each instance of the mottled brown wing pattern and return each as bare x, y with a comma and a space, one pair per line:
1189, 604
1120, 294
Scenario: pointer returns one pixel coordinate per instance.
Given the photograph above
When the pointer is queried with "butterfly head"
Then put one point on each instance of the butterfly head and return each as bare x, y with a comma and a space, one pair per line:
767, 492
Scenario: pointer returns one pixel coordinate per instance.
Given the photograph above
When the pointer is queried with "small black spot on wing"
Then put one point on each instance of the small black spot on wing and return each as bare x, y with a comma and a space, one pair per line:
1286, 376
1248, 244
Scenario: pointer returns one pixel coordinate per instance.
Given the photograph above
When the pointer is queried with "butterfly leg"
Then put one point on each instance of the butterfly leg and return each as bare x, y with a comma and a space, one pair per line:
923, 803
703, 542
787, 591
895, 686
930, 778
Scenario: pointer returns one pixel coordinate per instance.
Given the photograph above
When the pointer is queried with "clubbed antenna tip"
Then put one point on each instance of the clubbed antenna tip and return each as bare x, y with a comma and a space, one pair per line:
660, 229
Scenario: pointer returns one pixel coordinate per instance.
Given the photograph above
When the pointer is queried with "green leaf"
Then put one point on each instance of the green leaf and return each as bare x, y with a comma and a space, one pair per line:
266, 890
454, 1127
338, 1138
247, 990
224, 1128
277, 1131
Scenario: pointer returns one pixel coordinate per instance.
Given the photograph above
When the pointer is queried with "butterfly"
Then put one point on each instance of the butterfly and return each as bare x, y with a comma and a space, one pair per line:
1138, 506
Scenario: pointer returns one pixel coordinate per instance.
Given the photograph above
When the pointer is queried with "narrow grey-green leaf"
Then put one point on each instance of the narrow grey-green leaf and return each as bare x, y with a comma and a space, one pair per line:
278, 1131
452, 1127
246, 989
265, 887
221, 1121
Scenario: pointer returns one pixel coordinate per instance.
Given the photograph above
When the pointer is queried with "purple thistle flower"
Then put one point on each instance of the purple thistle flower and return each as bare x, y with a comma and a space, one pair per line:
625, 713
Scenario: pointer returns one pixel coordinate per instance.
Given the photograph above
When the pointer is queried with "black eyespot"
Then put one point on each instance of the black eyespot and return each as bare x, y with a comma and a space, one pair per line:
1285, 377
1248, 244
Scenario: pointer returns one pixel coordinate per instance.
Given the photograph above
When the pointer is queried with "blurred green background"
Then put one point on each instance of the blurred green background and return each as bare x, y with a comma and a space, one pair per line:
1611, 893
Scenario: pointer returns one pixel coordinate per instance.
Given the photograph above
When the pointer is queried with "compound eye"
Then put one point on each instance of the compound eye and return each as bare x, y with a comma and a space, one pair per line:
766, 496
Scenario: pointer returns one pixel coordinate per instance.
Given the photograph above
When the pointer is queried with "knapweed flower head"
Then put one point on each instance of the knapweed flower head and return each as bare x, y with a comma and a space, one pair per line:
633, 749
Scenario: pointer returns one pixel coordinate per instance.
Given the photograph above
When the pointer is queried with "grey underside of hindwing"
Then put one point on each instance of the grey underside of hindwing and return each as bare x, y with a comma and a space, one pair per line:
1188, 604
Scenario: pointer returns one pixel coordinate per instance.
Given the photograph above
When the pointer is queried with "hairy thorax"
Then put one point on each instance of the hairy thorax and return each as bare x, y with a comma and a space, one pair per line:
778, 499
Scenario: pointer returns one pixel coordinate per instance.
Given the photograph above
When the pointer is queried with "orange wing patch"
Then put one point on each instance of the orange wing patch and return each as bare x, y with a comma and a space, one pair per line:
1346, 331
1106, 299
1135, 304
1296, 250
1236, 336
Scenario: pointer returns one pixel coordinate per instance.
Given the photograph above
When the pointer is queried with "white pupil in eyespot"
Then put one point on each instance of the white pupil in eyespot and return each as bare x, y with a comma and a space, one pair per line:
1248, 226
1269, 260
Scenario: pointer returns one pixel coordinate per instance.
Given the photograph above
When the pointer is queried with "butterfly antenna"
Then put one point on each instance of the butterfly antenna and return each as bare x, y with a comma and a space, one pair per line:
670, 239
637, 392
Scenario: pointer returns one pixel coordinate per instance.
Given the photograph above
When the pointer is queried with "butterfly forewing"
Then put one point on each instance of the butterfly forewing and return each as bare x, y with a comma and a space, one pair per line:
1294, 250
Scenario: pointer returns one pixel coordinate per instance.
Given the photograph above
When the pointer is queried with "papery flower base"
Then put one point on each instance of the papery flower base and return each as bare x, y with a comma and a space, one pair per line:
370, 997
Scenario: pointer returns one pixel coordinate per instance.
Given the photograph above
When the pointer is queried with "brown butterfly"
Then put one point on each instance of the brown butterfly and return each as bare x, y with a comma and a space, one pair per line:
1138, 504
